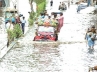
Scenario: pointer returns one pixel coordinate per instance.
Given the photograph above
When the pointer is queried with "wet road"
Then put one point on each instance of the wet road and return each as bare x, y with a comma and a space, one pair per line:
26, 57
70, 57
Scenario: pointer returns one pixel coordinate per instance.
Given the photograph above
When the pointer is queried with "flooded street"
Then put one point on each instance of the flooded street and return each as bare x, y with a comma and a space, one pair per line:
26, 57
73, 56
70, 57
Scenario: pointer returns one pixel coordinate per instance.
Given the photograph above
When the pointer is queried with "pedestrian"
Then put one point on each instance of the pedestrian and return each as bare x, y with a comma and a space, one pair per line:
18, 20
13, 20
15, 6
60, 21
60, 5
90, 41
52, 15
46, 17
92, 69
45, 12
91, 37
79, 7
51, 3
23, 24
8, 24
68, 4
64, 6
72, 2
21, 17
88, 3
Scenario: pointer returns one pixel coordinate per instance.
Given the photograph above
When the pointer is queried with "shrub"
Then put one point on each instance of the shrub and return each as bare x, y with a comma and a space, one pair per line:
41, 7
15, 33
10, 35
32, 18
40, 1
30, 21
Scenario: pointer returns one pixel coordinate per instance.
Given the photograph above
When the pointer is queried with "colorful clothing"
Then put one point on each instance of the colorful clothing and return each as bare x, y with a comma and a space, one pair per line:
23, 25
13, 20
18, 20
89, 39
61, 21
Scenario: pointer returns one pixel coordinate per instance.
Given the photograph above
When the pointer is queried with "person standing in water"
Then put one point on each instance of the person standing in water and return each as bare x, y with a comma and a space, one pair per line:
51, 3
23, 24
61, 21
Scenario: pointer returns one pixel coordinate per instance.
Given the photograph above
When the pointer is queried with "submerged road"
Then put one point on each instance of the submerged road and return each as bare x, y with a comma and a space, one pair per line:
74, 57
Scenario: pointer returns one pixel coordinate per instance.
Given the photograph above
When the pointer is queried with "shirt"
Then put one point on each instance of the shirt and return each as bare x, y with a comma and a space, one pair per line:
8, 25
23, 21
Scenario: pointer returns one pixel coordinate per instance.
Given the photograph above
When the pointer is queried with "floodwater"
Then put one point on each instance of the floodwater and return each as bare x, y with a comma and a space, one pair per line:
26, 57
70, 57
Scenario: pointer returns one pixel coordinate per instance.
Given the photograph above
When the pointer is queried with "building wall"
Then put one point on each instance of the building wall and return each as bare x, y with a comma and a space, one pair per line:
7, 2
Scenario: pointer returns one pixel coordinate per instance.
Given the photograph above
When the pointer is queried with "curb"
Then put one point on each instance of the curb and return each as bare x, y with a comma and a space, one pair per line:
6, 49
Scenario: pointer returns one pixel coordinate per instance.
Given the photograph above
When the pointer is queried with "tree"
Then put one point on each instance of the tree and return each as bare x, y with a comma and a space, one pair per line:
36, 1
31, 5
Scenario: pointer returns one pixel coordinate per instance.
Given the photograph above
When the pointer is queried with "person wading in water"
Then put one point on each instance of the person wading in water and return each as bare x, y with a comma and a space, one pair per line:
23, 24
51, 3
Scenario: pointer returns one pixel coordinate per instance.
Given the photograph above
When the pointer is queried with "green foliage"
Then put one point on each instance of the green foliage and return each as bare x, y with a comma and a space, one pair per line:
15, 33
41, 7
39, 1
30, 21
40, 22
32, 14
32, 18
10, 35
